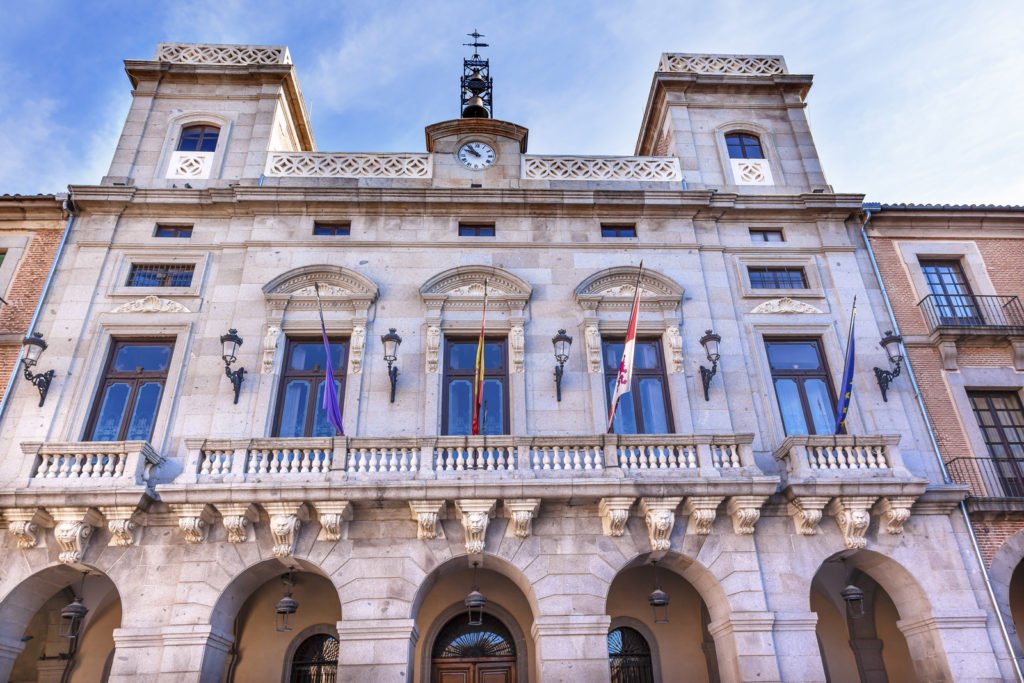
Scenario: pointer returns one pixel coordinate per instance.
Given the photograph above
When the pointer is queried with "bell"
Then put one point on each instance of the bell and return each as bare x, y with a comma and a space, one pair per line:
476, 83
475, 109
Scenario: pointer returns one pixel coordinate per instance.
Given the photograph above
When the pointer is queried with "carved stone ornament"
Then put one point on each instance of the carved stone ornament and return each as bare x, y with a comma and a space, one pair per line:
614, 289
702, 511
73, 532
333, 517
357, 343
614, 514
785, 305
426, 514
806, 512
270, 340
592, 339
853, 515
151, 304
238, 519
24, 525
674, 349
476, 514
325, 290
517, 347
745, 511
124, 523
285, 521
895, 512
521, 512
433, 347
660, 516
194, 520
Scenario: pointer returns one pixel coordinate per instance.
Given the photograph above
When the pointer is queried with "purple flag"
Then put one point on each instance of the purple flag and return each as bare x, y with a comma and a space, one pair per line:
330, 391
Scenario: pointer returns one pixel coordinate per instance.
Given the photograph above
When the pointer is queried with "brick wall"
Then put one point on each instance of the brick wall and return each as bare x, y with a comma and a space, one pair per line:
992, 533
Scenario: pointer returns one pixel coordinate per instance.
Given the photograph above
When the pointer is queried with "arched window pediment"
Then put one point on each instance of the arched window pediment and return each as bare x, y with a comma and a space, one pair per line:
613, 289
340, 288
462, 288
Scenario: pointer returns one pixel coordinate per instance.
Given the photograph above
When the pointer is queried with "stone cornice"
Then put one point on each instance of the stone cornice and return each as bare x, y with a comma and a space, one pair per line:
31, 208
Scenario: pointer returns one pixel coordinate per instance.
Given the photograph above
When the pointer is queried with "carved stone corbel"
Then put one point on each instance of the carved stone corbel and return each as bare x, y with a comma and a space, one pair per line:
517, 347
895, 511
948, 355
333, 516
270, 340
426, 514
806, 512
238, 519
357, 343
433, 347
745, 511
24, 525
194, 520
702, 511
660, 516
853, 515
674, 349
476, 514
521, 512
592, 340
285, 521
614, 514
73, 530
125, 523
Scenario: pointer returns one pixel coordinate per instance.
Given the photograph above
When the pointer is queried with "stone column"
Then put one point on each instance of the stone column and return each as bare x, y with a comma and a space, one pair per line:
180, 653
376, 650
572, 648
746, 651
797, 644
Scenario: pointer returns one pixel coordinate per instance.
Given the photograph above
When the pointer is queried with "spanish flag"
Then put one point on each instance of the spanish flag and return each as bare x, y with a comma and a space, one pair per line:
478, 379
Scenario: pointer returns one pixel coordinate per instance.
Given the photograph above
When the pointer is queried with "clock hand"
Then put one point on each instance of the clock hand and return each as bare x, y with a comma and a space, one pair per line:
473, 151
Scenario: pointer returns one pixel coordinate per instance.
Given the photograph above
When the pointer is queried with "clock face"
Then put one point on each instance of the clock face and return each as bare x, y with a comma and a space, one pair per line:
475, 155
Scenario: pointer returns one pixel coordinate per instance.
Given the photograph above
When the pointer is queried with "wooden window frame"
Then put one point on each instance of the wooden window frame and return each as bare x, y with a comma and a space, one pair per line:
949, 300
639, 373
316, 376
988, 395
822, 373
109, 375
204, 134
501, 373
744, 144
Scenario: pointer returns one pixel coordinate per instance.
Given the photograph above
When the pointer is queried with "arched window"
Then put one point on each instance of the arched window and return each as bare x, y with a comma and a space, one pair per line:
198, 139
316, 660
744, 146
629, 656
459, 640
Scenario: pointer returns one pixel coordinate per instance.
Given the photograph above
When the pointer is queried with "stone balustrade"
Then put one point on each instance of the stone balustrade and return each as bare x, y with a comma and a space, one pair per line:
348, 165
841, 455
379, 456
536, 167
106, 463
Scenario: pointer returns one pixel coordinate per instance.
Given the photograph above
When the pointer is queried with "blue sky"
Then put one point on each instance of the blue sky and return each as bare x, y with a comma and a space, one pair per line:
913, 101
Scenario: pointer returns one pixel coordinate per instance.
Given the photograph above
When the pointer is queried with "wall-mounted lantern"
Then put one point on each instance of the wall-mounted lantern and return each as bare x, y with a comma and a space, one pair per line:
231, 341
34, 347
658, 599
475, 602
854, 599
891, 343
391, 342
710, 342
72, 617
562, 343
287, 606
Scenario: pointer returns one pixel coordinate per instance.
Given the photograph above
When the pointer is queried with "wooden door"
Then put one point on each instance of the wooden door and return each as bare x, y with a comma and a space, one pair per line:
482, 671
495, 672
451, 672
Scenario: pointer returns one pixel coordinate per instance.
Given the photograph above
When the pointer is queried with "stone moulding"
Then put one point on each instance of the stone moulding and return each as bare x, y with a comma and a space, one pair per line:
722, 65
25, 523
194, 520
521, 512
702, 511
660, 516
125, 524
73, 531
238, 519
285, 521
785, 305
806, 512
426, 514
476, 514
333, 517
151, 304
853, 515
614, 514
745, 511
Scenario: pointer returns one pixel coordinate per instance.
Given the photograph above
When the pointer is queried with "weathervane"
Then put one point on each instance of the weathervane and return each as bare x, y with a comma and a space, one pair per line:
476, 95
476, 44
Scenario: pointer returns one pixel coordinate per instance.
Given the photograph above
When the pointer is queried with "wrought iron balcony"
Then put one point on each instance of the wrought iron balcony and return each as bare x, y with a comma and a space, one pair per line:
991, 478
973, 314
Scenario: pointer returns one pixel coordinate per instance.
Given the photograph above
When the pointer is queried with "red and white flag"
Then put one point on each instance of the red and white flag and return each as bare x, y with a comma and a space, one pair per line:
625, 379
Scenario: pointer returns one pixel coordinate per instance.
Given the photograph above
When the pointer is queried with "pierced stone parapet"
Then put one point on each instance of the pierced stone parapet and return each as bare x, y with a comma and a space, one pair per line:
853, 515
285, 521
194, 520
521, 513
895, 511
73, 531
614, 514
476, 514
751, 172
806, 512
601, 168
723, 65
24, 525
333, 517
702, 511
426, 514
231, 55
125, 524
745, 511
345, 165
238, 519
190, 165
660, 516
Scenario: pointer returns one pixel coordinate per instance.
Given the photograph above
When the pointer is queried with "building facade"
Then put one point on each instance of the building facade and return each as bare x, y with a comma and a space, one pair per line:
178, 524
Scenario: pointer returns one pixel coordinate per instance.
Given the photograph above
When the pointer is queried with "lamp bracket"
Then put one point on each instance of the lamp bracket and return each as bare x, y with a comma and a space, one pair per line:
705, 377
41, 381
236, 376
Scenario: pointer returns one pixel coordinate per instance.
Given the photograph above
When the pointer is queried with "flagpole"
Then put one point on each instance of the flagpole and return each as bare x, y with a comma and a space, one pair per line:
478, 375
330, 403
846, 394
625, 376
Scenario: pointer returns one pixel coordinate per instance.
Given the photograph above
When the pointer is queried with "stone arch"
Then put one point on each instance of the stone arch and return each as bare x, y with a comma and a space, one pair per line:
694, 572
488, 562
613, 288
463, 288
1006, 562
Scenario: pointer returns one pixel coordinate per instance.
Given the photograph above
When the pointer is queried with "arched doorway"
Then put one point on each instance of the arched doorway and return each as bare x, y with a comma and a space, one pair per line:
467, 653
315, 660
629, 656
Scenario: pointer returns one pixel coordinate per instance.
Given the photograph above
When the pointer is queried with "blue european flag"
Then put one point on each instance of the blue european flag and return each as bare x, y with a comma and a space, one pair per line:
846, 388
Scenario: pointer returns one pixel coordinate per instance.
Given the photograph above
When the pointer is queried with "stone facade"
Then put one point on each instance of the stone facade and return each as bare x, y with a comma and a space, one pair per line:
190, 537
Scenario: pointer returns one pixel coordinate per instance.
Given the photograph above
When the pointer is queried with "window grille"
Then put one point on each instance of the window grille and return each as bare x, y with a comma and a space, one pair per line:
160, 275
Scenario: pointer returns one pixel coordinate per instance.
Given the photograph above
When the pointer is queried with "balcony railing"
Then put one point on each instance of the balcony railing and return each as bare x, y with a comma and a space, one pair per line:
106, 463
973, 313
823, 456
989, 477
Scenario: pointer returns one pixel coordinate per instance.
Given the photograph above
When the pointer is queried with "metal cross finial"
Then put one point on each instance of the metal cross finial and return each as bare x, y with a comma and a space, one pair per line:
476, 44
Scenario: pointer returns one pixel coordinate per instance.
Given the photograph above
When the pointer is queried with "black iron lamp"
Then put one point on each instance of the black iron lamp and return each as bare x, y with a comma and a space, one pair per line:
231, 341
34, 347
891, 343
73, 615
562, 343
854, 599
658, 599
710, 342
287, 606
391, 342
475, 602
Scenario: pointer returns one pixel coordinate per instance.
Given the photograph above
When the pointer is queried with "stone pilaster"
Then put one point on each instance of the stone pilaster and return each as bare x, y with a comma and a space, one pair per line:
171, 653
572, 647
376, 650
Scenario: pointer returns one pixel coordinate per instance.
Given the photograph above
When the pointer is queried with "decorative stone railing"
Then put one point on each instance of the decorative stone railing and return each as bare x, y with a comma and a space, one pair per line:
209, 53
578, 454
674, 452
190, 165
299, 456
722, 65
460, 454
751, 172
601, 168
344, 165
380, 456
841, 455
104, 463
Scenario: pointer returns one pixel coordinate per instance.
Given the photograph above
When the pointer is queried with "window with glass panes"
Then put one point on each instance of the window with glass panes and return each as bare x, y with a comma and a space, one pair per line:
743, 146
1001, 419
767, 277
160, 275
803, 386
645, 409
130, 391
198, 139
766, 235
953, 300
300, 400
459, 374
